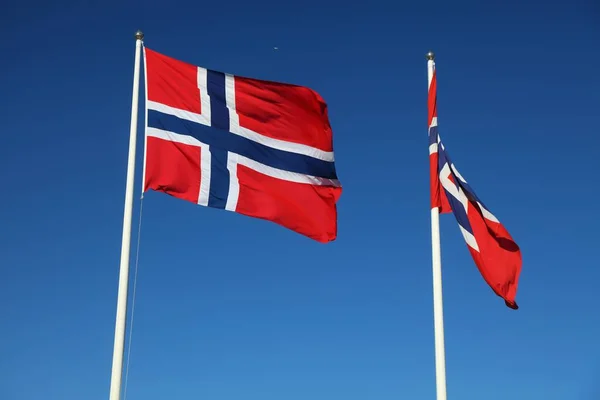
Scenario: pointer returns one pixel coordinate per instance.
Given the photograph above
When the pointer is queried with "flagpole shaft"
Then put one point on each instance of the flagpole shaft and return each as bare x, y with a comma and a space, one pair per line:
121, 318
438, 308
438, 312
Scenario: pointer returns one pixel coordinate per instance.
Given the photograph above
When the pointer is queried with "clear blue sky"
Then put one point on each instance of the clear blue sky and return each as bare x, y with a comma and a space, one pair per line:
232, 308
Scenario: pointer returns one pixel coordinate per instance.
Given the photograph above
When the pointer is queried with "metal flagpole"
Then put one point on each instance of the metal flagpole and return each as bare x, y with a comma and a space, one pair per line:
121, 319
438, 312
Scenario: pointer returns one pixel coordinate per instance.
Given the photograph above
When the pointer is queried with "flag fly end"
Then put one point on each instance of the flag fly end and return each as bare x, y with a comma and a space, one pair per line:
511, 304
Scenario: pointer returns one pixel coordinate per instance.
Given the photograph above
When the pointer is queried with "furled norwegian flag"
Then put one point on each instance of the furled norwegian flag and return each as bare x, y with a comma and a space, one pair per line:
494, 251
259, 148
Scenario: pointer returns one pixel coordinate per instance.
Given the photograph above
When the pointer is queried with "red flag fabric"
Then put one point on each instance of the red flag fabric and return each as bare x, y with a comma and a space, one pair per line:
495, 253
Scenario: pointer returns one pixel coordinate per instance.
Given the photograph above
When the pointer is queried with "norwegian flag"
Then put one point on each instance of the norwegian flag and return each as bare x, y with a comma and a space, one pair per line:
494, 251
259, 148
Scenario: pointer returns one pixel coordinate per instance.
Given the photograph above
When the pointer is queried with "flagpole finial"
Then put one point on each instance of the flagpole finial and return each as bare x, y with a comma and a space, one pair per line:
430, 55
139, 35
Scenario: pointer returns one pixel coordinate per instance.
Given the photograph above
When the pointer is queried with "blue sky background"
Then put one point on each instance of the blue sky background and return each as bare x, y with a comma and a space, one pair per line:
232, 308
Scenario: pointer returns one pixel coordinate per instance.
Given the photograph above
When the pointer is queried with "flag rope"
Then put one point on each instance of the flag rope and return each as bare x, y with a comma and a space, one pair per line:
137, 257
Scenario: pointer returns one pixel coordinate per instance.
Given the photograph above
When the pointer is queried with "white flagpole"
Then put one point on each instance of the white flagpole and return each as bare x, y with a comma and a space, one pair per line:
438, 307
121, 320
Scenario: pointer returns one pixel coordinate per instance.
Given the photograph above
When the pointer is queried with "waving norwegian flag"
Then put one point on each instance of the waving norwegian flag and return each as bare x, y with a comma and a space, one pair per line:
494, 251
259, 148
